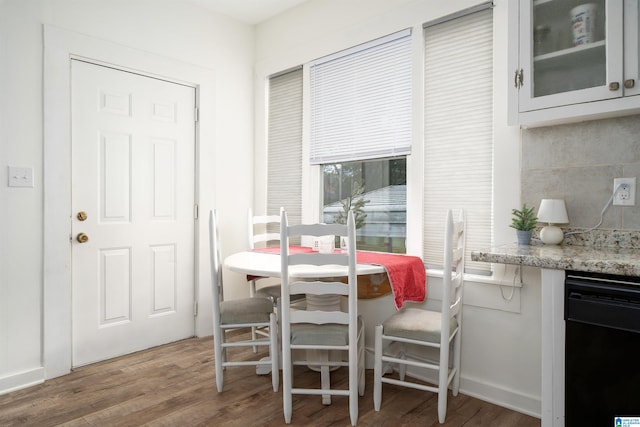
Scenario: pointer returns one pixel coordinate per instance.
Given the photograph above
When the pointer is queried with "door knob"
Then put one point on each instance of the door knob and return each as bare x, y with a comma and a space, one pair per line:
82, 215
613, 86
629, 83
82, 238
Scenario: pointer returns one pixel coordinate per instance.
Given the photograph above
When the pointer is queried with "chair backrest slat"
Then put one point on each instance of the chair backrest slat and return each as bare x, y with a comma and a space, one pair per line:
318, 230
320, 317
263, 229
318, 258
318, 288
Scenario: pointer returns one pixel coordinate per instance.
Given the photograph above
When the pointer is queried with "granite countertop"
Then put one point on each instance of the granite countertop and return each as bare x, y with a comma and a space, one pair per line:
612, 252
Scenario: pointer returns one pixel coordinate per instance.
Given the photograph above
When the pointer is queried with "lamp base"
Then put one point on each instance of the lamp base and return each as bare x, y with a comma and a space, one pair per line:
551, 235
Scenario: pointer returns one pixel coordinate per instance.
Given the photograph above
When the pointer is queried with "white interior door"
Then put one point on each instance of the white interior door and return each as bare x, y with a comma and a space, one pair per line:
133, 156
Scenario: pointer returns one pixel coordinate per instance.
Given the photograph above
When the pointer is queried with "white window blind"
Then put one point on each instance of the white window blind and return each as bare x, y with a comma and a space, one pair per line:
361, 102
284, 142
458, 122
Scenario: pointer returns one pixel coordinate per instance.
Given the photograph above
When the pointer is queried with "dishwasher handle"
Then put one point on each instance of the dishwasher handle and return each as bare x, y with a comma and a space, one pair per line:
602, 310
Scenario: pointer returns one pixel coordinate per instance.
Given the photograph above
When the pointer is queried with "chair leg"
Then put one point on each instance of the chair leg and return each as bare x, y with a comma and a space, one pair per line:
354, 371
455, 383
252, 293
377, 369
353, 399
273, 352
361, 360
278, 306
442, 403
443, 383
361, 379
325, 379
287, 380
402, 369
286, 392
218, 359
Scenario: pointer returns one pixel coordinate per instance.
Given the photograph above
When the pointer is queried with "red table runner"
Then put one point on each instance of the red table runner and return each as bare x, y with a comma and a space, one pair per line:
407, 273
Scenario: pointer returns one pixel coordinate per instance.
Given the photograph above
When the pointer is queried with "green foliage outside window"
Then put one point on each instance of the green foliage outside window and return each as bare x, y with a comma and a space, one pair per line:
355, 202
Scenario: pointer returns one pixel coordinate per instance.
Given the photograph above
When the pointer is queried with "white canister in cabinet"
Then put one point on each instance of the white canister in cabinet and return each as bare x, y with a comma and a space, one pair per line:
583, 20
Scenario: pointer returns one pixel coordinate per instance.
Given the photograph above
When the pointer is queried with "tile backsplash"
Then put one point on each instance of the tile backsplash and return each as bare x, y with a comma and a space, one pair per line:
578, 162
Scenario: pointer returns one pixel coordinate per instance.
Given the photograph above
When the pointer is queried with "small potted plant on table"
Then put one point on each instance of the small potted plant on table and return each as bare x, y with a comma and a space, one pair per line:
524, 221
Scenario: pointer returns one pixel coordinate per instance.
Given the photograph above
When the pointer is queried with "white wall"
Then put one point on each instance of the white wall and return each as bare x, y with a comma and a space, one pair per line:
164, 28
501, 339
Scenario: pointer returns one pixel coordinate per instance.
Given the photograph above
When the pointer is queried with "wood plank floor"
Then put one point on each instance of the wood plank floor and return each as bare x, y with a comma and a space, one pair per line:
174, 385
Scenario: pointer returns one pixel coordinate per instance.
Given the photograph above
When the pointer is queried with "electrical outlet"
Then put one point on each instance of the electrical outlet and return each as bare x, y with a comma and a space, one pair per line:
626, 191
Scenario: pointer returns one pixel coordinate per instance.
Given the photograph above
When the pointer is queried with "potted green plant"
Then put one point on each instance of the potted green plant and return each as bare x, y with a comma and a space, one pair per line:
524, 221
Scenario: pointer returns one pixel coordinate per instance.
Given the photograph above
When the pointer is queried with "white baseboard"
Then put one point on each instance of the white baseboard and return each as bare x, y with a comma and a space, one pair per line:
492, 393
21, 380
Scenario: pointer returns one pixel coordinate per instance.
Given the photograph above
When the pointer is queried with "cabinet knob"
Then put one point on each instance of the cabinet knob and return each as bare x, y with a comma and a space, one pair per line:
629, 83
614, 86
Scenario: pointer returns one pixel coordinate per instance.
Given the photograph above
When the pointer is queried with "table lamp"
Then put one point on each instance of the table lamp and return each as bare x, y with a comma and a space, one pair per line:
552, 211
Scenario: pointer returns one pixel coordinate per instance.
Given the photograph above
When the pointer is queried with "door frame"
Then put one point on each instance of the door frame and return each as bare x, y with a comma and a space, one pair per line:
60, 46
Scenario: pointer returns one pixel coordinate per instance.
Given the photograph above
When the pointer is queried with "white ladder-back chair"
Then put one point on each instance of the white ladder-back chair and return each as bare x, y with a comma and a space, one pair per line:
423, 328
317, 329
263, 232
243, 313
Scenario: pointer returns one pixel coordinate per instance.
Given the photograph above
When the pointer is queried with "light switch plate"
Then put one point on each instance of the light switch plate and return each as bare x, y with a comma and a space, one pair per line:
20, 176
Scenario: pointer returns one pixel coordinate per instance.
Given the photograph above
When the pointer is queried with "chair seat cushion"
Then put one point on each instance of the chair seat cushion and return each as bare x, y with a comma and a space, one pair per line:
245, 310
416, 324
328, 334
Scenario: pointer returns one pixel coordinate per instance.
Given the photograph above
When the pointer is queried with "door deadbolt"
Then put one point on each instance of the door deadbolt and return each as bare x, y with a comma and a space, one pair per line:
82, 238
82, 215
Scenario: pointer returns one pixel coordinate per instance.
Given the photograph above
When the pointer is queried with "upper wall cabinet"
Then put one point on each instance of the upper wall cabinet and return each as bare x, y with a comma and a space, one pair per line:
572, 60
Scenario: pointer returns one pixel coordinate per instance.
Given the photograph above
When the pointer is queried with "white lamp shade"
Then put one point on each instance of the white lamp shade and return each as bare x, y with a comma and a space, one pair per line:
553, 211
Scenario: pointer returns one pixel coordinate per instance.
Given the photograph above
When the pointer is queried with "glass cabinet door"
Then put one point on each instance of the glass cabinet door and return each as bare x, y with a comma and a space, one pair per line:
570, 52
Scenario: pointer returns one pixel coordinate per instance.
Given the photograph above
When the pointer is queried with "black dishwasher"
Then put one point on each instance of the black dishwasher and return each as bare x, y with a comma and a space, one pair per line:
602, 358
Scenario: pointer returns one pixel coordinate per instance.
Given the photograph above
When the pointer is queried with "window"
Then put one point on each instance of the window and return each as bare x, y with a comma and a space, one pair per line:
458, 123
381, 186
284, 163
360, 134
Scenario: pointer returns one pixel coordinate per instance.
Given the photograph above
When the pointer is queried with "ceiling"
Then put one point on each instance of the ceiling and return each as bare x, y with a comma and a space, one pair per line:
248, 11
